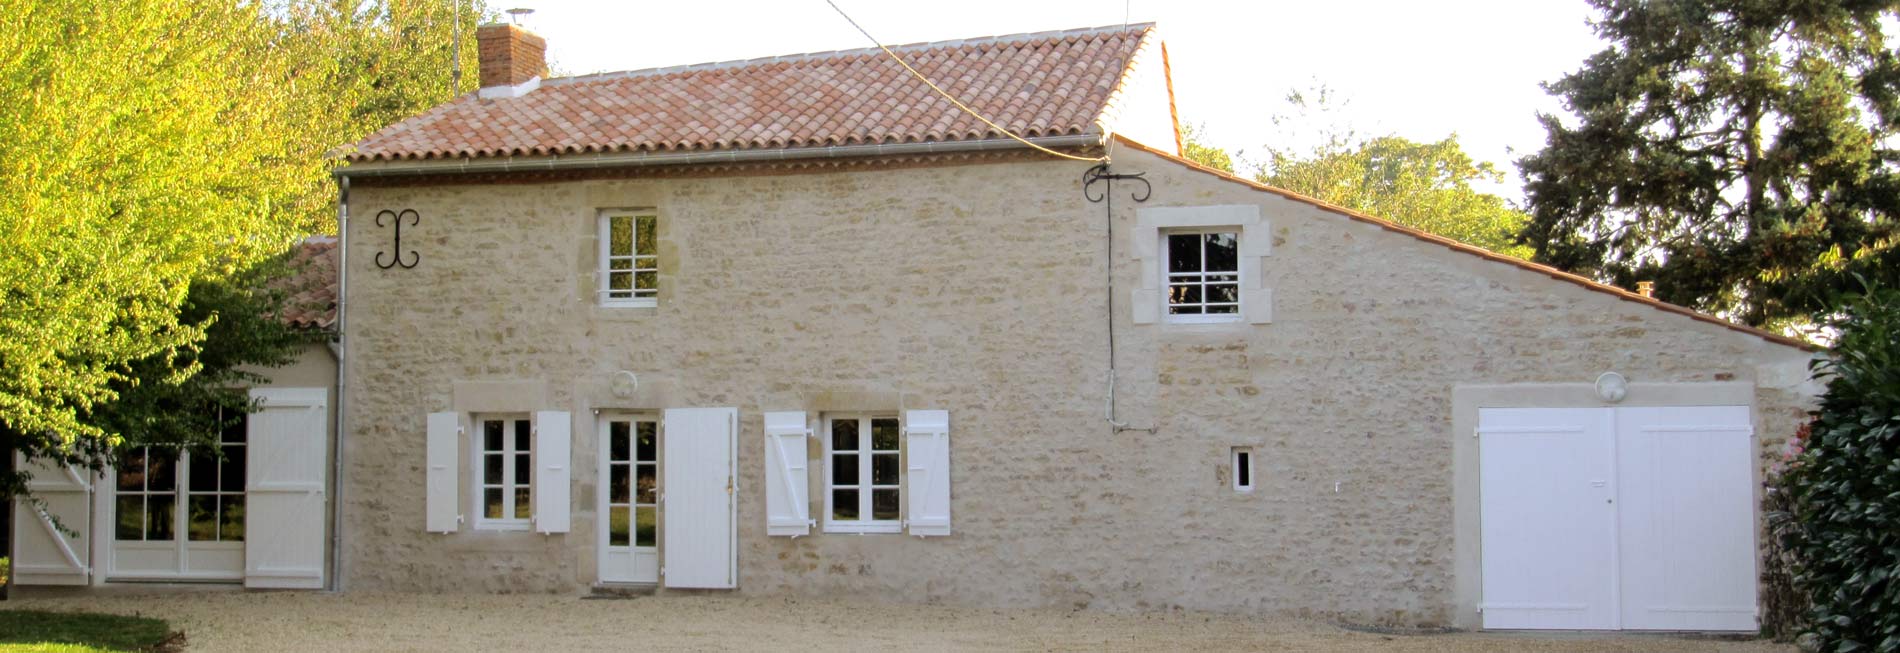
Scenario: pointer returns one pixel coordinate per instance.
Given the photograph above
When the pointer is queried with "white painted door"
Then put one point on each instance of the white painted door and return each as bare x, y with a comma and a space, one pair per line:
1547, 518
1687, 518
629, 500
701, 522
42, 553
288, 447
1618, 518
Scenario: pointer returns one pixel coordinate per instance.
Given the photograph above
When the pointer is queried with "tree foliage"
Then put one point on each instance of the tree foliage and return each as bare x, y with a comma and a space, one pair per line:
1194, 148
1427, 186
1737, 152
1842, 521
155, 151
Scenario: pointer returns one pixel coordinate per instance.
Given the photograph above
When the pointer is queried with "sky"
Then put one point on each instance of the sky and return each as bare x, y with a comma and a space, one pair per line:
1421, 70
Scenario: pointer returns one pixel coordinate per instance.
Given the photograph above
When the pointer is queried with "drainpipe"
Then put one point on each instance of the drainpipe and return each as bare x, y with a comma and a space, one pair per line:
341, 348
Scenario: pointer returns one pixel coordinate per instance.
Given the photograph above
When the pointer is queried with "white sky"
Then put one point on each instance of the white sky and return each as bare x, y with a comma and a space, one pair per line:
1419, 69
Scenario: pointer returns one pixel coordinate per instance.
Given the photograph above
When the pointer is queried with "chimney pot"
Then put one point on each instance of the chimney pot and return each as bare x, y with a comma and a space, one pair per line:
1646, 288
509, 55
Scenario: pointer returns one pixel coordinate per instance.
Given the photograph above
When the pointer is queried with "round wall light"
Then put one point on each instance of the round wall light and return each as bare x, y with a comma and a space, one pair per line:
1612, 387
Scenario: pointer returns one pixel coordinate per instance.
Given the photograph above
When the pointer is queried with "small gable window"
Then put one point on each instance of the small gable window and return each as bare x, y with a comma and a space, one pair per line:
629, 259
1203, 275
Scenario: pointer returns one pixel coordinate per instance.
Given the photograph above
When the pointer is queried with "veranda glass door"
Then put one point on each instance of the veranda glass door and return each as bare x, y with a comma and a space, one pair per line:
630, 482
180, 517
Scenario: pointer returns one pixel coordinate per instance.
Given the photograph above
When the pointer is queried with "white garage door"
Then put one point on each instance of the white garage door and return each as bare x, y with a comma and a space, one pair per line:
1617, 518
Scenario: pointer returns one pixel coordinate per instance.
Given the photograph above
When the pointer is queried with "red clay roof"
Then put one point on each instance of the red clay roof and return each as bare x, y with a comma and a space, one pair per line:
1043, 84
311, 285
1554, 273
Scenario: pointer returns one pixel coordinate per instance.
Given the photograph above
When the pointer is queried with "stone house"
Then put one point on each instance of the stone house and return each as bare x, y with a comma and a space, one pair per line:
801, 326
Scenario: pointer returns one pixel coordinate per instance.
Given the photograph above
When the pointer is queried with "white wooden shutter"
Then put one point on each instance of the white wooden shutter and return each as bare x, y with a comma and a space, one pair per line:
701, 531
42, 555
553, 444
928, 434
787, 506
286, 445
444, 498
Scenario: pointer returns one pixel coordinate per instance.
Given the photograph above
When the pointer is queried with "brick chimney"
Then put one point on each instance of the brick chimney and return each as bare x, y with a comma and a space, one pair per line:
509, 55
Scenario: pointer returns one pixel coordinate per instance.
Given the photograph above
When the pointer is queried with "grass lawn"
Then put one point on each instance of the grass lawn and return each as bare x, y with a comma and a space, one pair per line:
33, 631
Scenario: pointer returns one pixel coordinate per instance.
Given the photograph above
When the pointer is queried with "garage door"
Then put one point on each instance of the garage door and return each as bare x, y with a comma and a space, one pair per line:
1617, 518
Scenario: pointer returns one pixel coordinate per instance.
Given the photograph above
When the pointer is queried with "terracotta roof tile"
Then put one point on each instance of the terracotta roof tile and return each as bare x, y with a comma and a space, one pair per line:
311, 284
1044, 84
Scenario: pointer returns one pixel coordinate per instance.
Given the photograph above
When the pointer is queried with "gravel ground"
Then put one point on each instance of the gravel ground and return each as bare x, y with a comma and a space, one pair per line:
292, 621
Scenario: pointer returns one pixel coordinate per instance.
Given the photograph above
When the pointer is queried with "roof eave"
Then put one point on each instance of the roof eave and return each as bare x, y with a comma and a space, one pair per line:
602, 160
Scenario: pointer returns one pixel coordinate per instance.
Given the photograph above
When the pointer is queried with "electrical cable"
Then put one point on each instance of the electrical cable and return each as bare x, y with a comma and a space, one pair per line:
953, 100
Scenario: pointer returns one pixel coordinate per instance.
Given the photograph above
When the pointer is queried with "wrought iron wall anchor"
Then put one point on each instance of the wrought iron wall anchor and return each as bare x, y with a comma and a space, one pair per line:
395, 260
1100, 173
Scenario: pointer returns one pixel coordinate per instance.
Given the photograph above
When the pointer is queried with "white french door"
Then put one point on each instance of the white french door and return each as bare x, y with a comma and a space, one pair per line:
629, 500
180, 517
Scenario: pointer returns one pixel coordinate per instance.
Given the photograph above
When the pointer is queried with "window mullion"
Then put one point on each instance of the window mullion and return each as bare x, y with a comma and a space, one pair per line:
866, 450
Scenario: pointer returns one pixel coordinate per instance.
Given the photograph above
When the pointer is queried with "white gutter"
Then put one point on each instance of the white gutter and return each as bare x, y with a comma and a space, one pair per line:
342, 365
478, 165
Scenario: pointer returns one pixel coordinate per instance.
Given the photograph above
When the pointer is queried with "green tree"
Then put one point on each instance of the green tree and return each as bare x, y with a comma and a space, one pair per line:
1736, 152
156, 150
1195, 148
1426, 186
145, 146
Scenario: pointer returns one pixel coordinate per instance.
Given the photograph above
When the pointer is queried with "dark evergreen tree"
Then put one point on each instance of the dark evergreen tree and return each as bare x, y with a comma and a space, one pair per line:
1739, 153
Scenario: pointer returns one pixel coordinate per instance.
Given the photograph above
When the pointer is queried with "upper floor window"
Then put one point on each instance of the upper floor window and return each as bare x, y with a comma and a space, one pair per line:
629, 259
1203, 275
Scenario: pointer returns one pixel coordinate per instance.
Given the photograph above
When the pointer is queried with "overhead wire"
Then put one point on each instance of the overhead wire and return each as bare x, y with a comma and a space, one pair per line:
953, 100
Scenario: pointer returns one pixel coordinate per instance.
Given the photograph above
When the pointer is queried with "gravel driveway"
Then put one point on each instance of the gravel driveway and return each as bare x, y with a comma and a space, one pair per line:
292, 621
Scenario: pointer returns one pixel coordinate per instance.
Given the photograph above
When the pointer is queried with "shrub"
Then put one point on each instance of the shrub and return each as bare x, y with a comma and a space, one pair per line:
1842, 488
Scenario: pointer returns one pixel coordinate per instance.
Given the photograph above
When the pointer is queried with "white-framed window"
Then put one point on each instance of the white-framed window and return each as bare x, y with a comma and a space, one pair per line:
629, 258
151, 479
1203, 274
504, 488
863, 488
1242, 460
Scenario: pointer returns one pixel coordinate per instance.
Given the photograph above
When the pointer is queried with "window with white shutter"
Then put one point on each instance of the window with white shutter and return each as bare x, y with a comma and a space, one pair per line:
554, 434
787, 507
504, 472
928, 436
863, 489
443, 503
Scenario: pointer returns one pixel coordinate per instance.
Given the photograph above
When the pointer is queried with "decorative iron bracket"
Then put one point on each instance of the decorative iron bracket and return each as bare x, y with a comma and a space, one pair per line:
1100, 173
395, 260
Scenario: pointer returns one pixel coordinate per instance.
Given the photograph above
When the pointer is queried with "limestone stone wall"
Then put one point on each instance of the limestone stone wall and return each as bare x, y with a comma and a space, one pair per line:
979, 289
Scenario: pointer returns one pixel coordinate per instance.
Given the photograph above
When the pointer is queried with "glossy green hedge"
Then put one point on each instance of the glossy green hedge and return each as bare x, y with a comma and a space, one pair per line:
1842, 486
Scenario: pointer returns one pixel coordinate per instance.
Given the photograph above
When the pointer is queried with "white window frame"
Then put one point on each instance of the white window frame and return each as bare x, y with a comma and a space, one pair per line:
1148, 300
478, 443
1242, 459
1168, 277
604, 496
637, 262
864, 523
